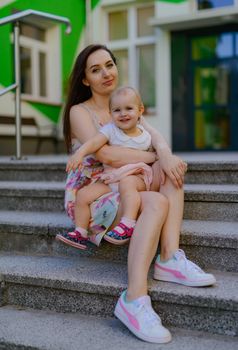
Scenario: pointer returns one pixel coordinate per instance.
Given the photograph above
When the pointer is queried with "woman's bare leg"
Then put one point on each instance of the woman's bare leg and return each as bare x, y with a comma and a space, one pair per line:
144, 242
134, 307
170, 265
169, 241
171, 231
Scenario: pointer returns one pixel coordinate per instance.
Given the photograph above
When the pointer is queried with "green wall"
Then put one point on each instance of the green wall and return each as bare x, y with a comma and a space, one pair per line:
74, 10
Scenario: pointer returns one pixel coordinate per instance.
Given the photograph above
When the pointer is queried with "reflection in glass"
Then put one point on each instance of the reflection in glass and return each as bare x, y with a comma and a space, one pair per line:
146, 67
212, 129
224, 45
223, 84
204, 47
236, 43
143, 16
204, 85
26, 70
122, 65
42, 60
211, 85
220, 46
211, 89
209, 4
118, 28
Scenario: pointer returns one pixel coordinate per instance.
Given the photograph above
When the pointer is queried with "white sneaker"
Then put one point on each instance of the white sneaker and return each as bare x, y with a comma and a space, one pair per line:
140, 318
181, 270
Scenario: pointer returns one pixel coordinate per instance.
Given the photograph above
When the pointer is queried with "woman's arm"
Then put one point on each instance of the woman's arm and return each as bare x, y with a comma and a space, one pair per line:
116, 156
173, 166
82, 125
157, 138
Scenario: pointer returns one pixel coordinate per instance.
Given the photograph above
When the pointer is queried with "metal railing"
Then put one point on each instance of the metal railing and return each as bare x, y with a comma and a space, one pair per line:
26, 16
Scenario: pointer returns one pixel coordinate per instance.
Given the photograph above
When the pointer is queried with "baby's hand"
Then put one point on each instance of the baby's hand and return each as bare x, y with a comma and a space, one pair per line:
74, 162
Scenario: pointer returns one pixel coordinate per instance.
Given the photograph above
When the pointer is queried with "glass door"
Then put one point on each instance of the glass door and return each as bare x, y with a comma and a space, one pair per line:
212, 107
213, 92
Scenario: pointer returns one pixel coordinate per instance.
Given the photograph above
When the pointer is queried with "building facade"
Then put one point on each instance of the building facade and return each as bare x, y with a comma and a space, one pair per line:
182, 55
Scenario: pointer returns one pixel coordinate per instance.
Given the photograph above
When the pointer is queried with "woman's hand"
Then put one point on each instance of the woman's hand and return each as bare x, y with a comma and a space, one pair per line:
174, 167
74, 162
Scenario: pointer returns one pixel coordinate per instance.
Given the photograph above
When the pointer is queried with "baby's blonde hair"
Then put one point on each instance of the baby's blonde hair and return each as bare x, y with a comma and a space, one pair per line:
123, 90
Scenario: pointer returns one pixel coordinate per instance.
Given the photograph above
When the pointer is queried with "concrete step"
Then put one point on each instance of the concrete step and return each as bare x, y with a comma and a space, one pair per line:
211, 244
27, 329
211, 202
212, 173
202, 168
33, 168
202, 201
32, 196
92, 286
210, 167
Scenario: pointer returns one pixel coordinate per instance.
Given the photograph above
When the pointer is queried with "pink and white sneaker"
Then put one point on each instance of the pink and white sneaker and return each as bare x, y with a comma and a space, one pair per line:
180, 270
140, 318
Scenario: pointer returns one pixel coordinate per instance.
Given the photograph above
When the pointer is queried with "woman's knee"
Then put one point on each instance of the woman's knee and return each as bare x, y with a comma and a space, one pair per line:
155, 201
161, 202
169, 189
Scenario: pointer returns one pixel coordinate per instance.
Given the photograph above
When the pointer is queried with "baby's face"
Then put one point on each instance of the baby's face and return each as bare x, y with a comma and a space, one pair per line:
125, 110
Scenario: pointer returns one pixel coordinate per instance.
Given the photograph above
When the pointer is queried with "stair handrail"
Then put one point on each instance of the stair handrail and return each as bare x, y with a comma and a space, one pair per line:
15, 19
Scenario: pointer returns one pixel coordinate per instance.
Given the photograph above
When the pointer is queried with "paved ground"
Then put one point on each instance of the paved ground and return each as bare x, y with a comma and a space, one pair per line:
45, 330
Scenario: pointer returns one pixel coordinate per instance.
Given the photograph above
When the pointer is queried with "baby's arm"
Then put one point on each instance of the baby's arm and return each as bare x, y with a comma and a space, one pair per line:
90, 146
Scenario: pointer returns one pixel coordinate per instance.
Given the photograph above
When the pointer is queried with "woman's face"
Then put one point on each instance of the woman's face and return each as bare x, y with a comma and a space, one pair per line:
101, 73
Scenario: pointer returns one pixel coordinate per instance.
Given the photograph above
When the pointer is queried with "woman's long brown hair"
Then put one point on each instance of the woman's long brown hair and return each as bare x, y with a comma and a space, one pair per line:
77, 91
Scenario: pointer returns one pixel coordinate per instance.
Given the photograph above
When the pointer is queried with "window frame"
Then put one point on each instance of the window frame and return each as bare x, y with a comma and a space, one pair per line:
51, 48
132, 43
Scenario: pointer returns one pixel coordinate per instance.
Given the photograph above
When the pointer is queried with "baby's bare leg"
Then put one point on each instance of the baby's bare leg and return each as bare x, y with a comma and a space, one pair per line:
129, 188
85, 196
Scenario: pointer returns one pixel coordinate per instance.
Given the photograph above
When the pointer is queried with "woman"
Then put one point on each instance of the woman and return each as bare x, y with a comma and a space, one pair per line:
93, 79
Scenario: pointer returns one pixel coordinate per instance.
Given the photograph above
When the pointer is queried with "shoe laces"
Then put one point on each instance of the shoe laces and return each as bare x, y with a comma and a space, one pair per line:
149, 314
188, 264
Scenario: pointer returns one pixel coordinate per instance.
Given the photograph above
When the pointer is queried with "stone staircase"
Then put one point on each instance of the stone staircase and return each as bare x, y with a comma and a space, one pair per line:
56, 297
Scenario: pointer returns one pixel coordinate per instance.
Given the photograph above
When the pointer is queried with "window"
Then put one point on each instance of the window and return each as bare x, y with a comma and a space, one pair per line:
132, 40
209, 4
118, 25
38, 64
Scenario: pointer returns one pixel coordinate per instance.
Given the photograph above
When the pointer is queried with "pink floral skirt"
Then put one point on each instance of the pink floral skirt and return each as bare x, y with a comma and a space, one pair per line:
103, 210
